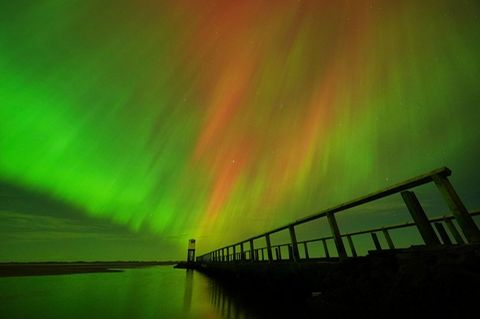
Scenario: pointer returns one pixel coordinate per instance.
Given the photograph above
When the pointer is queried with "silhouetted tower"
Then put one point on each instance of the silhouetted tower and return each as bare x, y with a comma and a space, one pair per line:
191, 251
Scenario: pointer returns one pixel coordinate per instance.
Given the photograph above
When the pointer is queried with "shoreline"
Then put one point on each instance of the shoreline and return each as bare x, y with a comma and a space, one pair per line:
23, 269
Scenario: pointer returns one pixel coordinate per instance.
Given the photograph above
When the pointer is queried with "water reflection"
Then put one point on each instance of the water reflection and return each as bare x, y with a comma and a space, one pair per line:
232, 300
225, 303
187, 297
154, 292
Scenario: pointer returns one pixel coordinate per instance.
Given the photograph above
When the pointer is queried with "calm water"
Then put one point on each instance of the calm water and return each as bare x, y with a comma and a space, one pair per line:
153, 292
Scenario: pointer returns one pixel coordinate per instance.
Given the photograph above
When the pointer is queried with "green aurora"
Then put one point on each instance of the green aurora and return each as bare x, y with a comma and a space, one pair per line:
128, 127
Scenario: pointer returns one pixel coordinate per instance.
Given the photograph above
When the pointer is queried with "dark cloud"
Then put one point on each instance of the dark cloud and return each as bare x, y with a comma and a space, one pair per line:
24, 211
36, 226
31, 202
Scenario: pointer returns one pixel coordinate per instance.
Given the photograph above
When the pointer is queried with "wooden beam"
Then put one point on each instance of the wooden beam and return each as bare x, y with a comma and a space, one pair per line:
269, 247
376, 242
252, 250
443, 234
420, 219
342, 254
453, 230
389, 240
293, 239
325, 248
307, 256
458, 209
352, 247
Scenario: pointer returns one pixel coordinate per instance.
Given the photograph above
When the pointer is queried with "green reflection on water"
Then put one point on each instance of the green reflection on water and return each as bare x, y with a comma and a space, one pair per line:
154, 292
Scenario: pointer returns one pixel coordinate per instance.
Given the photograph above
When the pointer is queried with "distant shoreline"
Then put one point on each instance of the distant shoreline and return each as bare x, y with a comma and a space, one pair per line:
21, 269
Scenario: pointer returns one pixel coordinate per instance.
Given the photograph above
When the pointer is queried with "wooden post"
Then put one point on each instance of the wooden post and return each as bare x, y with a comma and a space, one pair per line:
290, 252
269, 247
375, 241
389, 240
443, 234
458, 209
252, 252
352, 247
420, 219
263, 256
307, 256
279, 253
342, 254
293, 238
453, 230
242, 252
234, 253
325, 248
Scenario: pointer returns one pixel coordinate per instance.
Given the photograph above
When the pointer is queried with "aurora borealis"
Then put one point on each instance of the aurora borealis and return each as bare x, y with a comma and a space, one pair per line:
218, 119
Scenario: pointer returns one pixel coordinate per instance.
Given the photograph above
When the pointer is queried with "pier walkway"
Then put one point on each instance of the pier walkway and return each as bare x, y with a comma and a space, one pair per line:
457, 225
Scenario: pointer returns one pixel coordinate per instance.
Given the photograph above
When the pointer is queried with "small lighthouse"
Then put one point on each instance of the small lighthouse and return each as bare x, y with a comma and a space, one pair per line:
191, 251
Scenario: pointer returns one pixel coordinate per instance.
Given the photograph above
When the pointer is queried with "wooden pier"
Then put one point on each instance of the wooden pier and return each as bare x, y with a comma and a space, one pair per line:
452, 241
247, 250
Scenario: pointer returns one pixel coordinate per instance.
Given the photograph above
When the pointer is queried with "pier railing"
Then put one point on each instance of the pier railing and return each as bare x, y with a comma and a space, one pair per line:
246, 250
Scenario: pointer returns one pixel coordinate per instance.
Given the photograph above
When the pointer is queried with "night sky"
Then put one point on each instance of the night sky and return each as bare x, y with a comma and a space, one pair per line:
128, 127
